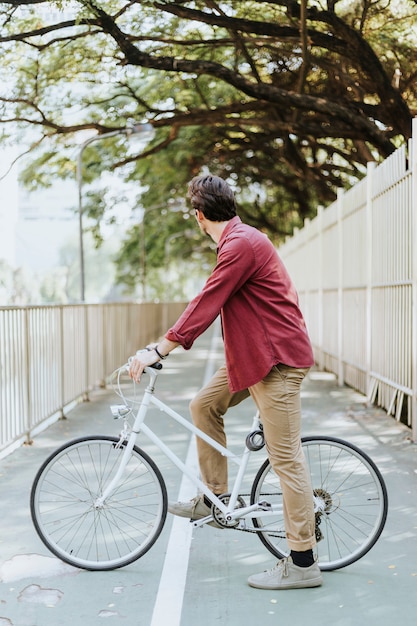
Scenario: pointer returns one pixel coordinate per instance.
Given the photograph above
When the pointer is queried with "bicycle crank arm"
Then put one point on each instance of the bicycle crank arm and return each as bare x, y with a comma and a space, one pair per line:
200, 522
263, 508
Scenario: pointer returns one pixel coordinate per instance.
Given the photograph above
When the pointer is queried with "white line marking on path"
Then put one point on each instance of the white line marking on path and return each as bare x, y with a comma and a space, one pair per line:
169, 600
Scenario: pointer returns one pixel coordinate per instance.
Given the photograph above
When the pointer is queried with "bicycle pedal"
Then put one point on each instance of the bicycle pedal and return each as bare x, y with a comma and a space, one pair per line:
264, 505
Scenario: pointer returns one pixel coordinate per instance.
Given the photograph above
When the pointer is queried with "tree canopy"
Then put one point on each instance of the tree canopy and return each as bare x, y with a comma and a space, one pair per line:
287, 99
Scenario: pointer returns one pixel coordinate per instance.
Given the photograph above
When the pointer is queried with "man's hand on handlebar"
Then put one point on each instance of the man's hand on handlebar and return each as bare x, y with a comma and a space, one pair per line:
142, 359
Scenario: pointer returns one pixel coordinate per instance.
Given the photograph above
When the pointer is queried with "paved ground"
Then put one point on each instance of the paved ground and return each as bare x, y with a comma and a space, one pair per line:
198, 578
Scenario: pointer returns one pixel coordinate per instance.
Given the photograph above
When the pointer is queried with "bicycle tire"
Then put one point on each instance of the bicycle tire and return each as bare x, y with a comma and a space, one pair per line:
351, 491
63, 496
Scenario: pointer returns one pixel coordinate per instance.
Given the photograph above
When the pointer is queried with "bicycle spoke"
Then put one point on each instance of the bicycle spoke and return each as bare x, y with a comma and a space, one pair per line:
350, 497
74, 523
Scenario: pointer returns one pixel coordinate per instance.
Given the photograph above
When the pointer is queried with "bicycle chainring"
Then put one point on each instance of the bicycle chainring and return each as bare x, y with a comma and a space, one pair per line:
219, 516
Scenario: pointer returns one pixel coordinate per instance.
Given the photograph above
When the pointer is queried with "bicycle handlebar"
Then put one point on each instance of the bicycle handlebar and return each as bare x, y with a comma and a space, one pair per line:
156, 366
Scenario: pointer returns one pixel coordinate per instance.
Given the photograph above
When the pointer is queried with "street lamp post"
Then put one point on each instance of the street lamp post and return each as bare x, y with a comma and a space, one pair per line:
147, 131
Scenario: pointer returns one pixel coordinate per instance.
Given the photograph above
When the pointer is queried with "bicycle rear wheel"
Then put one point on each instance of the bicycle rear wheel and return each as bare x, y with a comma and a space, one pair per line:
64, 512
350, 499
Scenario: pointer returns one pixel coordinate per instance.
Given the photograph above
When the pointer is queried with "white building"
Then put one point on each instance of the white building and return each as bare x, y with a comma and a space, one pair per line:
8, 207
47, 220
35, 227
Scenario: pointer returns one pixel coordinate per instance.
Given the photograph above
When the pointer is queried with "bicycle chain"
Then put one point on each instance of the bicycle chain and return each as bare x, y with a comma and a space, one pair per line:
254, 531
249, 530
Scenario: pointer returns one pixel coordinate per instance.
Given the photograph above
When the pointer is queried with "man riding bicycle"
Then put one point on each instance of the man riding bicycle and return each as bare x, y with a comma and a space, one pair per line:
268, 353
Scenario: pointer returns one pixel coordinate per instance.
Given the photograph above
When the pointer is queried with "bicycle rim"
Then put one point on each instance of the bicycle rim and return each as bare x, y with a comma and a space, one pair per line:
63, 509
351, 495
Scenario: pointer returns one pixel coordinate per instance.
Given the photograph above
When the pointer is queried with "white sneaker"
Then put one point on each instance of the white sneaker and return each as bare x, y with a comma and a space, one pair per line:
194, 509
286, 575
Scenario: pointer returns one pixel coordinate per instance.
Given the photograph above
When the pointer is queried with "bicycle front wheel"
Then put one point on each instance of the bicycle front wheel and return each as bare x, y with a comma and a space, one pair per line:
350, 499
64, 509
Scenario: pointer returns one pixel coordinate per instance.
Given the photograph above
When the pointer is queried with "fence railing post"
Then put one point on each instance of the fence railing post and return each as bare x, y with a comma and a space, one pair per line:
26, 378
61, 361
340, 289
320, 286
368, 314
413, 167
86, 348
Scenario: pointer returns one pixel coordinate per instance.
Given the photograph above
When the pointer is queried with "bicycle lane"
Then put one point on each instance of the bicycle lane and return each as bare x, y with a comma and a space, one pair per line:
37, 589
169, 600
199, 577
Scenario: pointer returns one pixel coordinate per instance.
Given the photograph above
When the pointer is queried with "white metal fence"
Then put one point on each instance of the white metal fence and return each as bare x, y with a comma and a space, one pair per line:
50, 356
355, 268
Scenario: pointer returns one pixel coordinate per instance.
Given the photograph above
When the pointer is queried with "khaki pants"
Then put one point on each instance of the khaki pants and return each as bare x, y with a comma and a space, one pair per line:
277, 397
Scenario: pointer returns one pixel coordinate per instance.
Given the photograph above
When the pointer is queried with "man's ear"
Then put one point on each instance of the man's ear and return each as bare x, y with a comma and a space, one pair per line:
199, 215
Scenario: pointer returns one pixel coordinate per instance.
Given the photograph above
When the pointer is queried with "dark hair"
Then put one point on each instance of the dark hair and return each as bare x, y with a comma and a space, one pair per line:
213, 196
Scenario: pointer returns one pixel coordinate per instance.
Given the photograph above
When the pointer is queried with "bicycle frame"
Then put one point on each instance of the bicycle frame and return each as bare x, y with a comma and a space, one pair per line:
139, 426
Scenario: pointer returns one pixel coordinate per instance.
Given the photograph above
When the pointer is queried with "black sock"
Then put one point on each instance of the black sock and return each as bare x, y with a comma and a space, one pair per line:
302, 559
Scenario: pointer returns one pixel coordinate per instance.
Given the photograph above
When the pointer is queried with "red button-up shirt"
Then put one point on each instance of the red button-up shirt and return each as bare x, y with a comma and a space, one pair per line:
261, 321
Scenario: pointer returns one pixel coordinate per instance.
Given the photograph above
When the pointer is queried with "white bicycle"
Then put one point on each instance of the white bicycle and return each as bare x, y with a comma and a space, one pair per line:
100, 502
